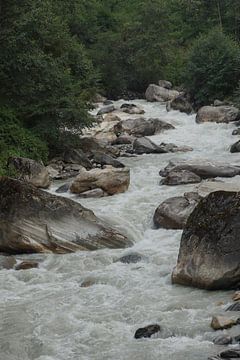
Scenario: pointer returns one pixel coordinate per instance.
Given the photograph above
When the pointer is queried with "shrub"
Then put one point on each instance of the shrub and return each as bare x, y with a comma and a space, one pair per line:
213, 67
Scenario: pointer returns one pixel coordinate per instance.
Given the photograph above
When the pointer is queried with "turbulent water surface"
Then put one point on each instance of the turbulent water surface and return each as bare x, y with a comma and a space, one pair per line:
47, 315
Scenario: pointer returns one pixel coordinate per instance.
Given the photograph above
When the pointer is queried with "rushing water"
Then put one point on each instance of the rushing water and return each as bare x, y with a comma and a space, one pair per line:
47, 315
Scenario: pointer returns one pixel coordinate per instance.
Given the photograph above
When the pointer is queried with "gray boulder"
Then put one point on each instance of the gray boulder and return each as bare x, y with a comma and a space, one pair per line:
218, 114
131, 109
34, 221
31, 171
165, 84
174, 212
181, 177
158, 93
209, 255
203, 168
106, 109
144, 145
181, 104
76, 156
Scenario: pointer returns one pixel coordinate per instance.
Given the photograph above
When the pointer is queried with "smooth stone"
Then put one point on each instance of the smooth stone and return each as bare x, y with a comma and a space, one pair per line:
230, 354
235, 147
106, 109
95, 193
222, 322
144, 145
236, 132
158, 93
147, 331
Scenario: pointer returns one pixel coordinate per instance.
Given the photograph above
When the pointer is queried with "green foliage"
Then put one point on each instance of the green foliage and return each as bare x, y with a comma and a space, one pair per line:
17, 141
213, 67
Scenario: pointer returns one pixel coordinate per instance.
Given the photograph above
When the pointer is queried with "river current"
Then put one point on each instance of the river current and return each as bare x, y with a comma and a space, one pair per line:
47, 315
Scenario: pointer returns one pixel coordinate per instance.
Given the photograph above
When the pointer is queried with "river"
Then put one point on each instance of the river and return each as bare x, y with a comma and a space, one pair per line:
47, 315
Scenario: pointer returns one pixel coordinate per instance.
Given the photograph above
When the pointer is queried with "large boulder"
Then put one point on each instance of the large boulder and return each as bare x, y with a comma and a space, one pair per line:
111, 180
142, 127
31, 171
203, 168
158, 93
181, 104
181, 177
90, 145
207, 187
174, 212
144, 145
106, 109
209, 255
104, 159
34, 221
218, 114
76, 156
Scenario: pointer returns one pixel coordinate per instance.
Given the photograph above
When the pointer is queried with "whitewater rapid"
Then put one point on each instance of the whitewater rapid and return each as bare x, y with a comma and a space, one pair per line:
47, 315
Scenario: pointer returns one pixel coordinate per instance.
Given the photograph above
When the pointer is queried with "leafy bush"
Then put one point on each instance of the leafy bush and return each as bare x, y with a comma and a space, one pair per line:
213, 67
17, 141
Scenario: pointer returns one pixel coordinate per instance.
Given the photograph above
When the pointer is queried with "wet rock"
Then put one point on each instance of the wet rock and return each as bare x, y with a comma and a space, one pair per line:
104, 159
146, 146
236, 132
142, 127
181, 177
236, 296
209, 255
106, 109
222, 322
218, 114
132, 258
223, 340
203, 168
63, 188
147, 331
76, 156
34, 221
132, 109
165, 84
230, 354
158, 93
7, 262
174, 148
25, 265
96, 193
88, 282
90, 146
234, 307
181, 104
111, 180
235, 147
31, 171
174, 212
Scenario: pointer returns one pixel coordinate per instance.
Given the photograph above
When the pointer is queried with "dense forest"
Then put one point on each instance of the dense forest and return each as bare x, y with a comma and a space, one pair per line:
57, 54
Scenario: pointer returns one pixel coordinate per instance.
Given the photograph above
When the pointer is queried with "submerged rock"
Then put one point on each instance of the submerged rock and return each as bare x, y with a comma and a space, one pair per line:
25, 265
218, 114
236, 132
223, 340
132, 258
34, 221
230, 354
158, 93
111, 180
31, 171
209, 255
174, 212
147, 331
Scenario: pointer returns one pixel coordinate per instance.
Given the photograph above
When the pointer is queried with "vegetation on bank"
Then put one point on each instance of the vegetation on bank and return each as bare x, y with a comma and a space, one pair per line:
56, 54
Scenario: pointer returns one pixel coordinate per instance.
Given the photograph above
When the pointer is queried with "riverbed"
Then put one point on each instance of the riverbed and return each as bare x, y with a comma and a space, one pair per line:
47, 315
